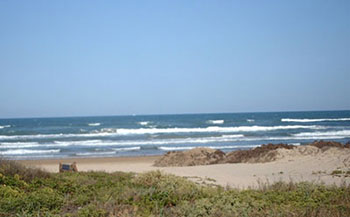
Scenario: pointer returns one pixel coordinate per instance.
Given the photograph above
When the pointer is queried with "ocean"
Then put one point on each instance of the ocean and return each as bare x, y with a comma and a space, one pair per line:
140, 135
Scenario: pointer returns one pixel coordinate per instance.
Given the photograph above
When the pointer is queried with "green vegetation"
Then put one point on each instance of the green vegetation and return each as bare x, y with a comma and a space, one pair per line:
341, 173
336, 172
25, 192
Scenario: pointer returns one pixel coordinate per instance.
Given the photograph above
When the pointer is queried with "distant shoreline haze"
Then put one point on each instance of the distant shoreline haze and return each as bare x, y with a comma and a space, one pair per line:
188, 113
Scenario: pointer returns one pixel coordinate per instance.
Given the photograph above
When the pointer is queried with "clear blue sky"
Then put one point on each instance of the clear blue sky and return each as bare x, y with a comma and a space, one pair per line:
77, 58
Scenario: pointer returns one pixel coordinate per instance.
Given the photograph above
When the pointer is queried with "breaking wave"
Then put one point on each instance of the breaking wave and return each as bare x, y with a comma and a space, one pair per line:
161, 142
127, 149
110, 132
26, 151
314, 120
164, 148
331, 134
233, 136
216, 121
4, 126
94, 124
19, 145
95, 153
213, 129
143, 123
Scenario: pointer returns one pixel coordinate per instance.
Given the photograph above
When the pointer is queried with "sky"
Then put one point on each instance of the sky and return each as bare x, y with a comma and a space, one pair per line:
82, 58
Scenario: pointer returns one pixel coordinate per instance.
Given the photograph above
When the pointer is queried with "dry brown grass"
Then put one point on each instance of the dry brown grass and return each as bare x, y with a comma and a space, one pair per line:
11, 168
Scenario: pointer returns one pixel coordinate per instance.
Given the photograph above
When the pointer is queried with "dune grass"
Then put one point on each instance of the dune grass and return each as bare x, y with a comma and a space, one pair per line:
31, 192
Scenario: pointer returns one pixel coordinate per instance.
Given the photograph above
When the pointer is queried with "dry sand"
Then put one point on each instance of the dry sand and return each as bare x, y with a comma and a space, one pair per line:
295, 165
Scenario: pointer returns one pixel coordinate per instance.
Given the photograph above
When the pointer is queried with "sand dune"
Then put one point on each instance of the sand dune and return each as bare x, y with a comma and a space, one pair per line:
303, 163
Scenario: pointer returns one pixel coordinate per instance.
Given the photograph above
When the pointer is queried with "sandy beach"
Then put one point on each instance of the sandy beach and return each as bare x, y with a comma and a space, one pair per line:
296, 168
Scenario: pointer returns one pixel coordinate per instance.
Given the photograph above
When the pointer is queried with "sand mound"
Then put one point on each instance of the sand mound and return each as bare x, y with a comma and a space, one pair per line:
262, 154
328, 144
340, 153
196, 156
297, 152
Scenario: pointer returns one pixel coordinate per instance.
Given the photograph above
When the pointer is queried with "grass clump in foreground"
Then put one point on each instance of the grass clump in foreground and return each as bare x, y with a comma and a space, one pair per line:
30, 192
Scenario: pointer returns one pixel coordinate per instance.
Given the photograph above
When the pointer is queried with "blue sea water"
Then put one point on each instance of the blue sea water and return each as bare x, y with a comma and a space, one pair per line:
36, 138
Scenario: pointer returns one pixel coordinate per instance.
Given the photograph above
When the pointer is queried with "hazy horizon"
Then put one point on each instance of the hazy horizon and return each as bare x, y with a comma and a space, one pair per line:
165, 114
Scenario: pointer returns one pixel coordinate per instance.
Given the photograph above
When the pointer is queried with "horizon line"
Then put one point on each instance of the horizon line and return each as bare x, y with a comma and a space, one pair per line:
165, 114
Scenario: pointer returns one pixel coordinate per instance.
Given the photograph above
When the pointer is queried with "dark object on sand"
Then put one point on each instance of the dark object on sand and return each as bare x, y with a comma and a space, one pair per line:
68, 167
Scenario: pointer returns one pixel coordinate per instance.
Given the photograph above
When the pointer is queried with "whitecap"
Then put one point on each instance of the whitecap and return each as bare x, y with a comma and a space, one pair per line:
213, 129
127, 149
95, 153
314, 120
178, 148
233, 136
110, 132
19, 144
250, 120
294, 143
215, 121
143, 123
94, 124
330, 134
77, 143
27, 151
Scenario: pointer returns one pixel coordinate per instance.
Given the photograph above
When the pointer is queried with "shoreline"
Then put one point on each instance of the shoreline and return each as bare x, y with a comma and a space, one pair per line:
85, 159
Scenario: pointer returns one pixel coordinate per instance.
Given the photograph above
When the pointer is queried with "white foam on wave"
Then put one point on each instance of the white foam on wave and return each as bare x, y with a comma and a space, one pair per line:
313, 120
340, 133
143, 123
13, 145
294, 143
19, 145
127, 149
201, 140
4, 126
233, 136
95, 153
233, 146
56, 136
250, 120
213, 129
27, 151
94, 124
76, 143
110, 132
215, 121
100, 143
177, 148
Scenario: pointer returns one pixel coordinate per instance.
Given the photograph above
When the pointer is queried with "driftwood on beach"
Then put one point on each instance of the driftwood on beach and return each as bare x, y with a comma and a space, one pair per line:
262, 154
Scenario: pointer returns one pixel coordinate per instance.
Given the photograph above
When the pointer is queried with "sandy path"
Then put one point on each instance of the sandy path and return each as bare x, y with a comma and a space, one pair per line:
242, 175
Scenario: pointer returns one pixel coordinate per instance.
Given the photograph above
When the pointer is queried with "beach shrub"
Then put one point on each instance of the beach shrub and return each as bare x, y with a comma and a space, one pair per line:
158, 194
11, 168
